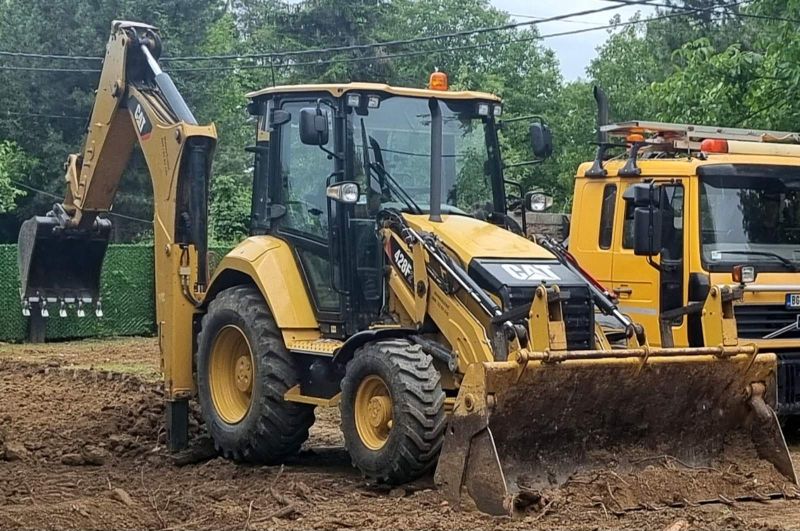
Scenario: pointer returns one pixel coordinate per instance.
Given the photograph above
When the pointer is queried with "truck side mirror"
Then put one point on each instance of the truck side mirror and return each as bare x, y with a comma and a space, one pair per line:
541, 140
313, 126
647, 231
648, 216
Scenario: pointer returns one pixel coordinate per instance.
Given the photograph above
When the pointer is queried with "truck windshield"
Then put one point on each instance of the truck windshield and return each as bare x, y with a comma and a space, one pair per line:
392, 146
751, 219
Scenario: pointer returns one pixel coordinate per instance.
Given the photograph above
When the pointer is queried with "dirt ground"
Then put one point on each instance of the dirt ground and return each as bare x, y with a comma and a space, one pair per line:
81, 434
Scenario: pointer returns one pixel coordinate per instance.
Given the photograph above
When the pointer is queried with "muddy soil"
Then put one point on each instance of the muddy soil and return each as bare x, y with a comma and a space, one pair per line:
82, 447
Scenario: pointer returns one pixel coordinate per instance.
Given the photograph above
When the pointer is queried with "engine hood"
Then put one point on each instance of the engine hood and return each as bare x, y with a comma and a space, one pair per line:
511, 267
471, 238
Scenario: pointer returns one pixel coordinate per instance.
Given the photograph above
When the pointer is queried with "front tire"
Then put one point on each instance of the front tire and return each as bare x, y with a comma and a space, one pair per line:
392, 411
243, 372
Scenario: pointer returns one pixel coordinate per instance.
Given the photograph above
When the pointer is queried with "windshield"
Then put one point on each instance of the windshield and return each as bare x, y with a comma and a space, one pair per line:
395, 166
753, 218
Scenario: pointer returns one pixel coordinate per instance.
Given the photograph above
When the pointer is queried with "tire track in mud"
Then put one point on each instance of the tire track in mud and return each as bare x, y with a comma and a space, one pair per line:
87, 452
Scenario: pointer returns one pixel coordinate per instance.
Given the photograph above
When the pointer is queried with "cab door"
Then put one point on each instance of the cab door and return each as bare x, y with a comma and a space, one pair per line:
298, 183
644, 291
592, 227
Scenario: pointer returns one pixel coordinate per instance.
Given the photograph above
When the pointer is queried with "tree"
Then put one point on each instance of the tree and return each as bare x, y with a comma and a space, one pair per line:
48, 110
229, 215
14, 164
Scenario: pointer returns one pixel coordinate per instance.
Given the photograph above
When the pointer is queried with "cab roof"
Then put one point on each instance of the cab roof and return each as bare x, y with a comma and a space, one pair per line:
338, 89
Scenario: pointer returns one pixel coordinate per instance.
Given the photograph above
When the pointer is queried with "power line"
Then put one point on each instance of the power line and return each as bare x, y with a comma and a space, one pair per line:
709, 10
59, 198
400, 42
354, 47
588, 23
44, 69
51, 56
420, 52
34, 114
435, 51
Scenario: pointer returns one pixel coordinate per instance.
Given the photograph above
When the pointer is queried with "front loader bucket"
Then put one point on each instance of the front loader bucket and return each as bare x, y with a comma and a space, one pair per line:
617, 429
58, 264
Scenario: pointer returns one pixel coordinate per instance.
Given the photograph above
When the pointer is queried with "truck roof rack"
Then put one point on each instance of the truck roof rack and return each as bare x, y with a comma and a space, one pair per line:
688, 136
657, 138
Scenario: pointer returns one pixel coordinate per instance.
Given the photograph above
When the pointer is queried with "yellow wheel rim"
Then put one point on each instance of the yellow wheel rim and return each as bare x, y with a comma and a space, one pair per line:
373, 412
231, 374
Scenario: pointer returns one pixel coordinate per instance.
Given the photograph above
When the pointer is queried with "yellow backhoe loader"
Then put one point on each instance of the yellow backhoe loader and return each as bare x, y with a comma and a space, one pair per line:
445, 339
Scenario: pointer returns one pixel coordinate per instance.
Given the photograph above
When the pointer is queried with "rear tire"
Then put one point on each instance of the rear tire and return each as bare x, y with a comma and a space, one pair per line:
245, 412
392, 411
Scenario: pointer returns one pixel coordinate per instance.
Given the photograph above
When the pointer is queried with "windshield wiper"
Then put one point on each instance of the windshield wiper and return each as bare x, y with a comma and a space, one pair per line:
393, 184
785, 261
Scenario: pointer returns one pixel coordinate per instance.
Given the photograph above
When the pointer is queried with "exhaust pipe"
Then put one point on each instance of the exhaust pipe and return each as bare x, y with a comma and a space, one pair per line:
602, 113
436, 161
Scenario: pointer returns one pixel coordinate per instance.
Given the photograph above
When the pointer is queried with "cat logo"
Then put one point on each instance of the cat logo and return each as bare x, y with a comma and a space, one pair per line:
535, 272
138, 115
143, 125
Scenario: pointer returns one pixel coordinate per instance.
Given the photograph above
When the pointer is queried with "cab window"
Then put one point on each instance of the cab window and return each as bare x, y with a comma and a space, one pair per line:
607, 216
304, 170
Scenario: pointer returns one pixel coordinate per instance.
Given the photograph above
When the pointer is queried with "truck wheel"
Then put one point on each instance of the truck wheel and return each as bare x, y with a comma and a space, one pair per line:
392, 409
243, 371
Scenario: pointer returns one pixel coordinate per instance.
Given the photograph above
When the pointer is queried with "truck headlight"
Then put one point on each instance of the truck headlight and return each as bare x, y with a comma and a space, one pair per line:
744, 274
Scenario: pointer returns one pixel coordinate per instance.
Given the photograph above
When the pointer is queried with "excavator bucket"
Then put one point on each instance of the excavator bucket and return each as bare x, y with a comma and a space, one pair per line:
58, 264
618, 429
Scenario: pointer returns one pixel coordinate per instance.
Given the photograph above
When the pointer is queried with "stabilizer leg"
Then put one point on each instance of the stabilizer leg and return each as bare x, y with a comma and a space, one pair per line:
177, 424
37, 325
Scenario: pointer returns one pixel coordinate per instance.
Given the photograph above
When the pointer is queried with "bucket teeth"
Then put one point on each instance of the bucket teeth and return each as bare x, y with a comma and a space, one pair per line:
81, 312
98, 310
62, 310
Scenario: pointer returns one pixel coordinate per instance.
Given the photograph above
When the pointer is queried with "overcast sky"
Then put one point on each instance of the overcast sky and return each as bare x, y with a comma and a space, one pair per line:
574, 52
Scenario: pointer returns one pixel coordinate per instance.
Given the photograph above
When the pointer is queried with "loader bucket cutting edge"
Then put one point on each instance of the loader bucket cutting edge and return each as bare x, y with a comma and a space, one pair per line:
677, 429
56, 263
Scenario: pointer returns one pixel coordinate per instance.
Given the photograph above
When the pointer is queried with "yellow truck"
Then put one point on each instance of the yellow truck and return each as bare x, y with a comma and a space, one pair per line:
713, 206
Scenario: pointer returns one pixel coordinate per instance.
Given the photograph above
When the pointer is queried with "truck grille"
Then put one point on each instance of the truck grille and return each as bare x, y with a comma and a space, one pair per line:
788, 383
754, 321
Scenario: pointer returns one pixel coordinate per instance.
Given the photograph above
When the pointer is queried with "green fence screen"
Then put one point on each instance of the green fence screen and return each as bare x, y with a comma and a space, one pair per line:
127, 291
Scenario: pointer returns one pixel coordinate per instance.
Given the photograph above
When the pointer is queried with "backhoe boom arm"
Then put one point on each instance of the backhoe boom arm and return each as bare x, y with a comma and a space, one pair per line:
60, 255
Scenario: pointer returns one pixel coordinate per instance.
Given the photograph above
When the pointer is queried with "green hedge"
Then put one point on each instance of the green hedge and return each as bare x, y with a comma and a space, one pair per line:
127, 290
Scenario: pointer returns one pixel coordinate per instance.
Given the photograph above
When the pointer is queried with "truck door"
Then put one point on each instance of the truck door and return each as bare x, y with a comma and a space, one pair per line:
643, 290
592, 227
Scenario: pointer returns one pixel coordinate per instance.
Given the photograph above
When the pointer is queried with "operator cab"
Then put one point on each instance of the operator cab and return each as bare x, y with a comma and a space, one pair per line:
330, 157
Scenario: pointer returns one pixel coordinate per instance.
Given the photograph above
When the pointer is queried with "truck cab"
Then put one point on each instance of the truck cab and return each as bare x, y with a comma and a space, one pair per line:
728, 205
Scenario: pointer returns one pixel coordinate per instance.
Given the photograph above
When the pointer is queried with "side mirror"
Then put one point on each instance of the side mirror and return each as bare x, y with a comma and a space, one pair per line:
647, 231
538, 201
313, 126
541, 140
648, 217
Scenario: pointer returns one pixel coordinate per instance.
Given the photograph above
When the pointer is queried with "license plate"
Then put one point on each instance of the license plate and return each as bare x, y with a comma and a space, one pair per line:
793, 300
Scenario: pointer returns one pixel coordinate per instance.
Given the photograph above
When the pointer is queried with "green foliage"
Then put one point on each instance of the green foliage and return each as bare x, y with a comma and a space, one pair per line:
712, 65
712, 87
229, 209
13, 166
